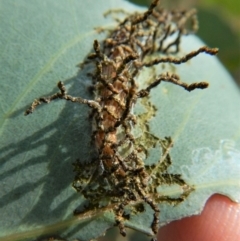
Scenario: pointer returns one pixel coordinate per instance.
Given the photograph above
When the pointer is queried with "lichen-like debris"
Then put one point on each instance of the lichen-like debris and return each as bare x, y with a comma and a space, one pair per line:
119, 175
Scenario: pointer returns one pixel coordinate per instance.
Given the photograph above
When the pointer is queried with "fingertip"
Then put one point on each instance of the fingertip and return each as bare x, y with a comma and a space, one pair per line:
218, 221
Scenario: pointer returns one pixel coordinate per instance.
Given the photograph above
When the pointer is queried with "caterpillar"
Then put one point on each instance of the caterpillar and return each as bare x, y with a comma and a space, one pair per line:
119, 176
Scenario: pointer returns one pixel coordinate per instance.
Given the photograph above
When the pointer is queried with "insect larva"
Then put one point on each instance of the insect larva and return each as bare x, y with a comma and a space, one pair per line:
121, 175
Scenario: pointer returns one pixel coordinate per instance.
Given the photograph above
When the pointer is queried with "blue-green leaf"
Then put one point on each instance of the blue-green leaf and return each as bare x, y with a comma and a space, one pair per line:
41, 43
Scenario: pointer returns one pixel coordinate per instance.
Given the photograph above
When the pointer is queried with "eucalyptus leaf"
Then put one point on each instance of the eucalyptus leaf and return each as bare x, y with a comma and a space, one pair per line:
41, 43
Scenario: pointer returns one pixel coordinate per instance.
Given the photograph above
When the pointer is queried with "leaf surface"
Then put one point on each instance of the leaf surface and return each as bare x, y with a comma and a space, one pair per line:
41, 43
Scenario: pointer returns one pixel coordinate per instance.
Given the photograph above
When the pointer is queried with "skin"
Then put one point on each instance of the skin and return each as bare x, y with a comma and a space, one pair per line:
220, 221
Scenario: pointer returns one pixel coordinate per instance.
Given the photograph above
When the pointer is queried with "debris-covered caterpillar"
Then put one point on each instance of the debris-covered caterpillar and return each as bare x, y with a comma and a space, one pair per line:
121, 175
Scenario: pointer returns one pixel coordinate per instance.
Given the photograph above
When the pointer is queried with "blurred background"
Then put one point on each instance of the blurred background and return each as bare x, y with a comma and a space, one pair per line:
219, 26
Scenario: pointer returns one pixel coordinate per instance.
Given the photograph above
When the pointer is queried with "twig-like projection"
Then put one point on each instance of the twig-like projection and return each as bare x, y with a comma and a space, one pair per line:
119, 173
